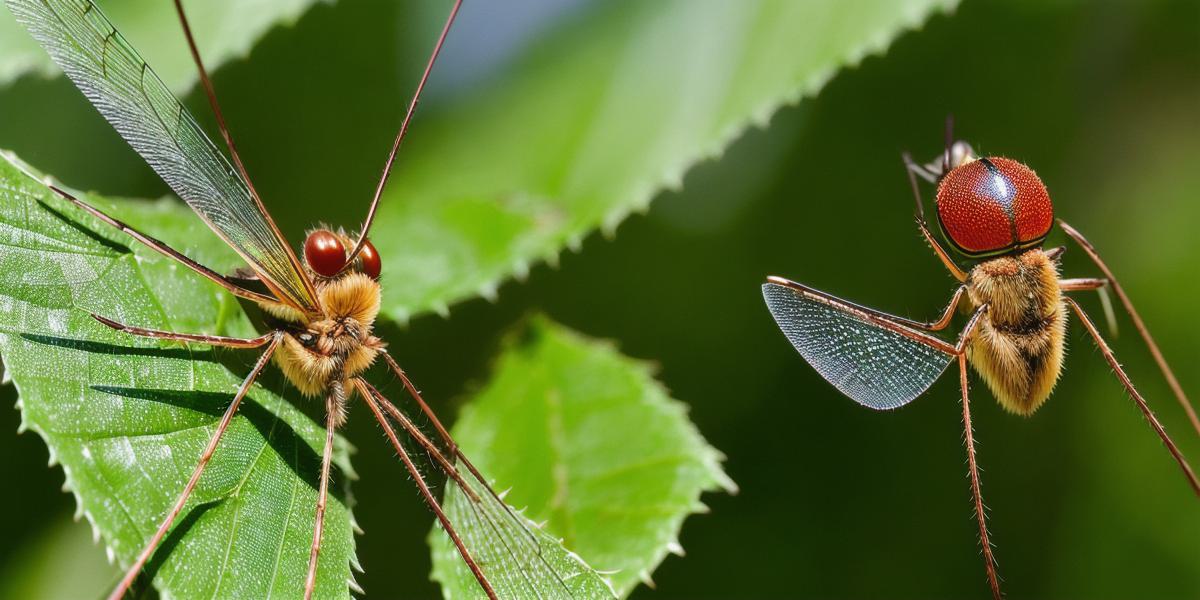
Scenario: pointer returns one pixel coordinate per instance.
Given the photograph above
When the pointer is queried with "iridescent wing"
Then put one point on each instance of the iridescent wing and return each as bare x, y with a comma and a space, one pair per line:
872, 359
106, 68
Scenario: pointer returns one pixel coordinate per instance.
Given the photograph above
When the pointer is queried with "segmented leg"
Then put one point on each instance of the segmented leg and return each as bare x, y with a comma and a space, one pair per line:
1137, 396
166, 250
451, 445
131, 574
1101, 285
426, 493
980, 512
423, 440
331, 416
1137, 322
211, 340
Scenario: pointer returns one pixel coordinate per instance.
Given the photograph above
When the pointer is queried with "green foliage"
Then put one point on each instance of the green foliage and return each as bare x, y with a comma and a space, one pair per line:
593, 446
225, 30
598, 120
127, 418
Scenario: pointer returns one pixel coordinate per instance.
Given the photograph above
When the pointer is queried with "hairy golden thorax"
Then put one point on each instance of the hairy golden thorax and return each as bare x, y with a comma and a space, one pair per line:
1020, 344
320, 352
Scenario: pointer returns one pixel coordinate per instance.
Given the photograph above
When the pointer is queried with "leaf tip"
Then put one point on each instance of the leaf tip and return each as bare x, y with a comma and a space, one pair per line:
520, 269
644, 577
575, 241
490, 291
441, 308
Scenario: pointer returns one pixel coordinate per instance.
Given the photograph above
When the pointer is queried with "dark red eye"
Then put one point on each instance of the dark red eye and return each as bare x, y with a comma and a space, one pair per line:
324, 252
371, 264
993, 204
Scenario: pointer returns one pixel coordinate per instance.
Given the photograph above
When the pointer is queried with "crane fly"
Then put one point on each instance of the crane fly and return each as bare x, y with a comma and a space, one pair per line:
996, 212
320, 312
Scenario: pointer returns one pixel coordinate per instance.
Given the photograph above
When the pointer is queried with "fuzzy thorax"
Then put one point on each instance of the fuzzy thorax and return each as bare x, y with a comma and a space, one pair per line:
1018, 349
336, 345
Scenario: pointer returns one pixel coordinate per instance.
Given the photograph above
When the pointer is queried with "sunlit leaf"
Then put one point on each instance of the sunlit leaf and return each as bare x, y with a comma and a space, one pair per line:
591, 444
127, 418
595, 122
224, 30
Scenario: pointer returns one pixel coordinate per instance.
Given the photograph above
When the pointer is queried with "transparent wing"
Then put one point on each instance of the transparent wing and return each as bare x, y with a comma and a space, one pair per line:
516, 557
136, 102
876, 363
519, 559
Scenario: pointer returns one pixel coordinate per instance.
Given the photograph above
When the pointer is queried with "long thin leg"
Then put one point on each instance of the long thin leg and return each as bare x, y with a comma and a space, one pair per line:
415, 432
1137, 397
211, 340
441, 429
425, 408
331, 419
131, 574
1101, 285
1138, 323
1082, 284
913, 170
412, 108
166, 250
989, 559
426, 493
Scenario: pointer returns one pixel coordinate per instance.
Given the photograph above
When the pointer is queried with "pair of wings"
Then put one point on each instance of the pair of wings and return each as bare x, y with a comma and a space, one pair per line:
880, 367
106, 68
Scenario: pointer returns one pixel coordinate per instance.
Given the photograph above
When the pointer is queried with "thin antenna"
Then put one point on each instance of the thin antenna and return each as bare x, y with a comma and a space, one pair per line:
949, 142
206, 83
212, 100
412, 107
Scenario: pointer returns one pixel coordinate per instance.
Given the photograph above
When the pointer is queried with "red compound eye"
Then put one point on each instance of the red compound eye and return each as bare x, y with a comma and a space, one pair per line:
324, 252
371, 264
992, 205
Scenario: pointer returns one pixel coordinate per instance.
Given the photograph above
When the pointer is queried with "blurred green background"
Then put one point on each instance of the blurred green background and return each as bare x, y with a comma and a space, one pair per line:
837, 501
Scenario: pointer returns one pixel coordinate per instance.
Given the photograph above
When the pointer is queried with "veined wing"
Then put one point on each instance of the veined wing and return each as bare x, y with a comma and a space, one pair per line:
516, 557
103, 65
873, 360
519, 559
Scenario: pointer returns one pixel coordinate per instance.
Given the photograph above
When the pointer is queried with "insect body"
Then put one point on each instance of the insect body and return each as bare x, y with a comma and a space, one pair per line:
320, 312
335, 345
992, 206
997, 212
1019, 346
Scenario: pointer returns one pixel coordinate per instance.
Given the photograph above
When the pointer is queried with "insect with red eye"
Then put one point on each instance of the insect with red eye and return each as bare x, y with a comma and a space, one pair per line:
997, 213
321, 312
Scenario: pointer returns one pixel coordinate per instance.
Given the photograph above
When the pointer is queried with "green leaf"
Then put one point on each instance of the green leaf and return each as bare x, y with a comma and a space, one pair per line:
590, 443
224, 29
595, 122
127, 418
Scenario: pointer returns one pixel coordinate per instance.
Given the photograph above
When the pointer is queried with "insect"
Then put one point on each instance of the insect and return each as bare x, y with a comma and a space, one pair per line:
320, 311
996, 212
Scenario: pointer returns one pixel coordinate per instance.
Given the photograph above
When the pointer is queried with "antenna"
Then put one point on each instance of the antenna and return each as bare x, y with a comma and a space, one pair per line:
412, 107
949, 142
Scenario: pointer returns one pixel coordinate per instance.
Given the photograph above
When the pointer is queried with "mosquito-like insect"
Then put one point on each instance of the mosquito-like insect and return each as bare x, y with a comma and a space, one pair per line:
320, 311
996, 212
